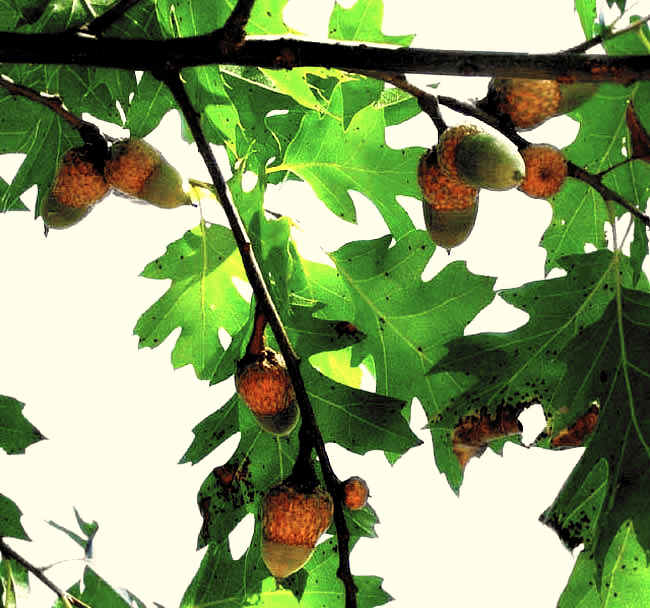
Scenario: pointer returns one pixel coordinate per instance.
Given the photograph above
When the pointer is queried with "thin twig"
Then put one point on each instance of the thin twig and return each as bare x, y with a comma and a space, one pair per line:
99, 25
428, 103
171, 77
66, 598
88, 131
596, 40
608, 194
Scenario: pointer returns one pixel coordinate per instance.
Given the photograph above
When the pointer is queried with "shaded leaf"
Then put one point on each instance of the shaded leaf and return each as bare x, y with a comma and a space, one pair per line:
639, 138
10, 516
16, 432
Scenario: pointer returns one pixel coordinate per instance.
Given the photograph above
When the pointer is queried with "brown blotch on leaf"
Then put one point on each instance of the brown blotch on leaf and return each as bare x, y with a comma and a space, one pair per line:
574, 435
473, 433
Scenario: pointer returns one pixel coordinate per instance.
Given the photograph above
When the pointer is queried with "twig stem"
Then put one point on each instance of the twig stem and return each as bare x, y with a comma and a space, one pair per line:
171, 77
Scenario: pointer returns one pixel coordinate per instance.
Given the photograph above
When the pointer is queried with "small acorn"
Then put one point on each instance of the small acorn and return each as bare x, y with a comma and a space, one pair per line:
468, 154
546, 170
78, 185
138, 169
293, 519
355, 493
449, 205
529, 102
263, 382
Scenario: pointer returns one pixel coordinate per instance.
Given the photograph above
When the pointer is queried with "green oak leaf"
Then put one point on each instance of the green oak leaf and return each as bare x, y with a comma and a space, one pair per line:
362, 22
607, 363
151, 101
335, 160
16, 432
587, 11
14, 579
581, 590
202, 266
10, 516
402, 315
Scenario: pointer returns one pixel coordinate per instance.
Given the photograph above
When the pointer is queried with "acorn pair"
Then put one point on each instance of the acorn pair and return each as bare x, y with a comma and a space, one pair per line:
87, 173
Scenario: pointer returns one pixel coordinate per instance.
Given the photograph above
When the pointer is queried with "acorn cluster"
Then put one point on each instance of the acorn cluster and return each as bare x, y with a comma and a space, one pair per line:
87, 173
467, 159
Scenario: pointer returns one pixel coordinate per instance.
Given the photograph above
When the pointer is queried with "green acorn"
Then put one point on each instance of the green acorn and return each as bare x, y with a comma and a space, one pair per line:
449, 205
479, 159
138, 169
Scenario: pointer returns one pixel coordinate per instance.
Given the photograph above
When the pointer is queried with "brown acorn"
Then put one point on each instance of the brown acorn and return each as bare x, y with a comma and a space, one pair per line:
263, 382
529, 102
546, 170
482, 160
78, 185
449, 205
355, 493
138, 169
293, 520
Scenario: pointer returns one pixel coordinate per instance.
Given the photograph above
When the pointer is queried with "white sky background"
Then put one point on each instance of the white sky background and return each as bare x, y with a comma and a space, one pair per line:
118, 419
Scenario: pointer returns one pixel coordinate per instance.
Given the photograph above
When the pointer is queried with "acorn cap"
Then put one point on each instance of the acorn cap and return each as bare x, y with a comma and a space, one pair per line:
264, 384
131, 165
546, 170
486, 161
80, 181
447, 145
527, 101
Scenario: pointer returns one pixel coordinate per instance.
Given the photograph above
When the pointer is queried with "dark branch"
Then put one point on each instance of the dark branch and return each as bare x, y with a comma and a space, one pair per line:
204, 50
311, 432
66, 598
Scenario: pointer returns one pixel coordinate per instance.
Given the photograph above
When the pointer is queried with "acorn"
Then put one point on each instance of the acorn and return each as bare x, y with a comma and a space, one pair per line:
78, 185
355, 493
263, 383
529, 102
293, 519
479, 159
449, 205
546, 170
138, 169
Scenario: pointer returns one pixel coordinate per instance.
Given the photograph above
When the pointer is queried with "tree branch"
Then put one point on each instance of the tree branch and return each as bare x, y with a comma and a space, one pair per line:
171, 77
66, 598
67, 48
